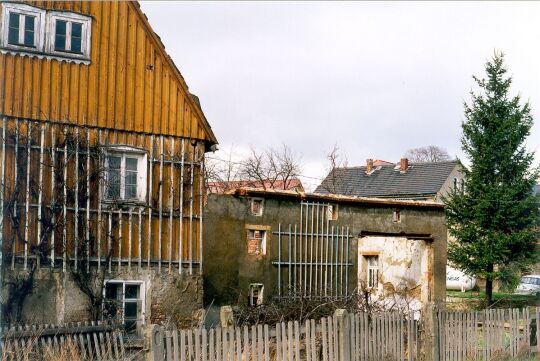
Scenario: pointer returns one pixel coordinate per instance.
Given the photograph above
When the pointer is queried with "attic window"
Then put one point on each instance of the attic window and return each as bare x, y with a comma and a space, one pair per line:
23, 27
69, 34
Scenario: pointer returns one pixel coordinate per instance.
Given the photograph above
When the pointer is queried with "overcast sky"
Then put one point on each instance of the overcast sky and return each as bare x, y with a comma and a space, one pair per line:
375, 78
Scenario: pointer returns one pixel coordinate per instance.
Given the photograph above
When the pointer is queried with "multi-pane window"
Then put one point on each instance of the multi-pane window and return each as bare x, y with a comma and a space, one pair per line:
124, 302
23, 27
51, 33
372, 271
125, 176
68, 36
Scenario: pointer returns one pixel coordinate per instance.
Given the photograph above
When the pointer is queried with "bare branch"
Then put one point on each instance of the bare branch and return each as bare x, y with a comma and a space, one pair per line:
431, 153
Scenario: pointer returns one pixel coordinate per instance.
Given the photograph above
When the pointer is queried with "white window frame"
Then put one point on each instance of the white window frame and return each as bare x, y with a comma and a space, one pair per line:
252, 287
262, 248
142, 295
69, 17
39, 26
372, 269
142, 172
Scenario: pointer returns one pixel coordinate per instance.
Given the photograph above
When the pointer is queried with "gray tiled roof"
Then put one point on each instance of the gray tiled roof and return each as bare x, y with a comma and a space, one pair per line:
386, 181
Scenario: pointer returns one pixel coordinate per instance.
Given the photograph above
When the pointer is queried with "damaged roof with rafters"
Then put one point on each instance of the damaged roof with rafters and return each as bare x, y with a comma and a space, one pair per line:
420, 179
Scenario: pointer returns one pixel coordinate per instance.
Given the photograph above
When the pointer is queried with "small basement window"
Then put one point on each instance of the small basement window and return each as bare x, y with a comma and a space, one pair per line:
125, 175
23, 26
69, 34
257, 206
124, 301
256, 294
256, 240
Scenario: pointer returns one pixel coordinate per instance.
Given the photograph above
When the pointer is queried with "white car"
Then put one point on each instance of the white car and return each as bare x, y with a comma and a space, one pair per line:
529, 285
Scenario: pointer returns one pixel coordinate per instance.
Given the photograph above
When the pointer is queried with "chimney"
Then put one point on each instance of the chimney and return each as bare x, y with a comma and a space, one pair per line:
369, 166
403, 165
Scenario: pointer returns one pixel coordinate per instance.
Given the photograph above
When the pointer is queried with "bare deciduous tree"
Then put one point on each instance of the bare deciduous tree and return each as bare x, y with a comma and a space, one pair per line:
336, 161
221, 171
271, 168
431, 153
267, 169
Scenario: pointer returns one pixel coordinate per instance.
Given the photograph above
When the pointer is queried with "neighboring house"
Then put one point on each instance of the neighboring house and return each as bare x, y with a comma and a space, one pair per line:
404, 180
293, 184
102, 158
261, 245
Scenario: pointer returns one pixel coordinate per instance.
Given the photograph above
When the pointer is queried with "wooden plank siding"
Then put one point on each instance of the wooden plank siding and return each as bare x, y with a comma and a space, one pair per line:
36, 227
131, 94
131, 84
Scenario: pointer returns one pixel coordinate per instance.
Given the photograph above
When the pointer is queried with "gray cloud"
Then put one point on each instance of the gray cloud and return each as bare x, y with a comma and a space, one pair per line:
377, 78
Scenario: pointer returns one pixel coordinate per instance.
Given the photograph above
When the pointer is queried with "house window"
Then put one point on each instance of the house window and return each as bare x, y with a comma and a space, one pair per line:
372, 271
256, 294
463, 186
257, 206
124, 302
396, 216
455, 184
69, 34
256, 241
23, 27
125, 175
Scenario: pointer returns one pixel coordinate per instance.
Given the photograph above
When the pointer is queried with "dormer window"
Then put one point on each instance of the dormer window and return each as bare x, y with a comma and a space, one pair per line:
69, 34
23, 27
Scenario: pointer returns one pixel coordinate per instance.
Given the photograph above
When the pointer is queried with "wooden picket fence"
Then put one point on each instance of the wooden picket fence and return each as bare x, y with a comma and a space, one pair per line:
90, 341
488, 335
386, 336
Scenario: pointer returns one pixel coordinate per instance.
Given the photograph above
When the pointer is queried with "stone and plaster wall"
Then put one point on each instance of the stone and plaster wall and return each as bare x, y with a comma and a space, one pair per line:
404, 269
228, 269
56, 299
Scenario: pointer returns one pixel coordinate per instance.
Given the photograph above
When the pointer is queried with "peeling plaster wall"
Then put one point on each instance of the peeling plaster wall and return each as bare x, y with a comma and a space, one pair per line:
403, 268
56, 299
228, 269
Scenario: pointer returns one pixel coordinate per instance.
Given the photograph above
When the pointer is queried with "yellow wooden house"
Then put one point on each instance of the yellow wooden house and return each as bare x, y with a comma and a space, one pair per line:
101, 158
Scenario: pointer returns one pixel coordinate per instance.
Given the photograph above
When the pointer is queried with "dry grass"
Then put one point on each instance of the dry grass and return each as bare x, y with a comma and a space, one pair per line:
28, 350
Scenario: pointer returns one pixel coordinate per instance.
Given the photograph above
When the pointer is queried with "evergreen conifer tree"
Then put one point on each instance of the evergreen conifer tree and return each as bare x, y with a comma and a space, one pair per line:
495, 219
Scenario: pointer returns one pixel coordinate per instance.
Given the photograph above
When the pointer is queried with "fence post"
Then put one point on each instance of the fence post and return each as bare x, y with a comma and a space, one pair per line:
156, 343
343, 334
429, 334
226, 316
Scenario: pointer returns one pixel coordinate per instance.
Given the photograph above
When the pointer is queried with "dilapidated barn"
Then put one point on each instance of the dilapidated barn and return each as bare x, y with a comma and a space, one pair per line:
261, 245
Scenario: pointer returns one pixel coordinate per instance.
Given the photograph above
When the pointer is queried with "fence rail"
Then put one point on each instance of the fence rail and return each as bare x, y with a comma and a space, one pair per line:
388, 336
500, 334
90, 340
488, 335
